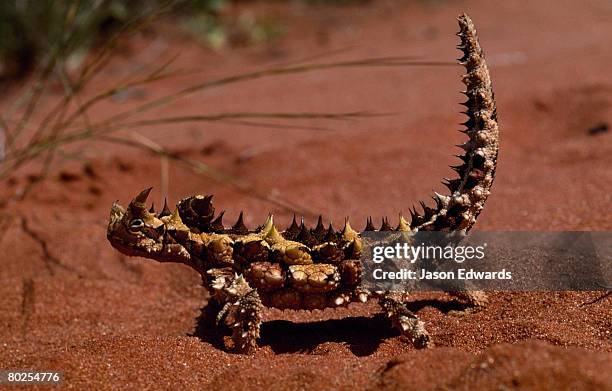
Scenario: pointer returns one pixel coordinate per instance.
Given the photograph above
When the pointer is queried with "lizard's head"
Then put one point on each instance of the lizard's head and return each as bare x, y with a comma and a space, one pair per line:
136, 231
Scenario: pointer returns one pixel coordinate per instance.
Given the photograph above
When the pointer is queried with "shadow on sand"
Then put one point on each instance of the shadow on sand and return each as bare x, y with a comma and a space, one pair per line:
361, 334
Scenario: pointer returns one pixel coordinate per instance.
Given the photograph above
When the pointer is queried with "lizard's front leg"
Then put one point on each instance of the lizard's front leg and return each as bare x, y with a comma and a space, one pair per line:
241, 308
404, 319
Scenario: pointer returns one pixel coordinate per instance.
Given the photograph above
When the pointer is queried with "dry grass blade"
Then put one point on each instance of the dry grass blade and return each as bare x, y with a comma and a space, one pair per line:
164, 176
368, 62
31, 101
57, 56
52, 125
99, 129
157, 74
213, 173
89, 71
249, 115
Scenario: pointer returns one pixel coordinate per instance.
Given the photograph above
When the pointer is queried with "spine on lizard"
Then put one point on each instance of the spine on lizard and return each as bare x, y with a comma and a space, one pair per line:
459, 210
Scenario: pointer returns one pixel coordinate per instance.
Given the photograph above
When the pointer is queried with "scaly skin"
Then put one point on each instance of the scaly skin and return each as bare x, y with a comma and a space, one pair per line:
302, 268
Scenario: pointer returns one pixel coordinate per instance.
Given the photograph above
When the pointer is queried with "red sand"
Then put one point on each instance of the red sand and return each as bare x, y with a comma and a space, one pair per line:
71, 303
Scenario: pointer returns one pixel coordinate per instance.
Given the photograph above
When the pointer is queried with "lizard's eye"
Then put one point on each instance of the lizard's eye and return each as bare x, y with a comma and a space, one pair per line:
136, 225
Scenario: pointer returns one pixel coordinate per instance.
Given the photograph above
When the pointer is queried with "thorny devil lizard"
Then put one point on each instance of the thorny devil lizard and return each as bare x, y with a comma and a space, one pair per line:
302, 268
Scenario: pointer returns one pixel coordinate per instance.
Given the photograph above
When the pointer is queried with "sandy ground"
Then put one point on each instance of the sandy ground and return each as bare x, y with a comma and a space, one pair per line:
71, 303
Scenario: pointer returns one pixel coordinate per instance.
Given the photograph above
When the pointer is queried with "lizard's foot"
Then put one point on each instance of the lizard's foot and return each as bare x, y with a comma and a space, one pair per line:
405, 320
475, 300
414, 330
244, 319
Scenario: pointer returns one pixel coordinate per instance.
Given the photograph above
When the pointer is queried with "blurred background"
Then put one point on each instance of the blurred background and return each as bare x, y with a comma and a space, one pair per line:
231, 93
338, 107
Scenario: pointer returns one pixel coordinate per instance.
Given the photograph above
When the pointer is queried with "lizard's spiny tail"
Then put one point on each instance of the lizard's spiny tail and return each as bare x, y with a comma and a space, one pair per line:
470, 191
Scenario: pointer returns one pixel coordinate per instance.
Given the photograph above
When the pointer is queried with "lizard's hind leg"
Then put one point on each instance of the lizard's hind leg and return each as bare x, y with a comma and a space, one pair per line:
404, 319
240, 308
475, 300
